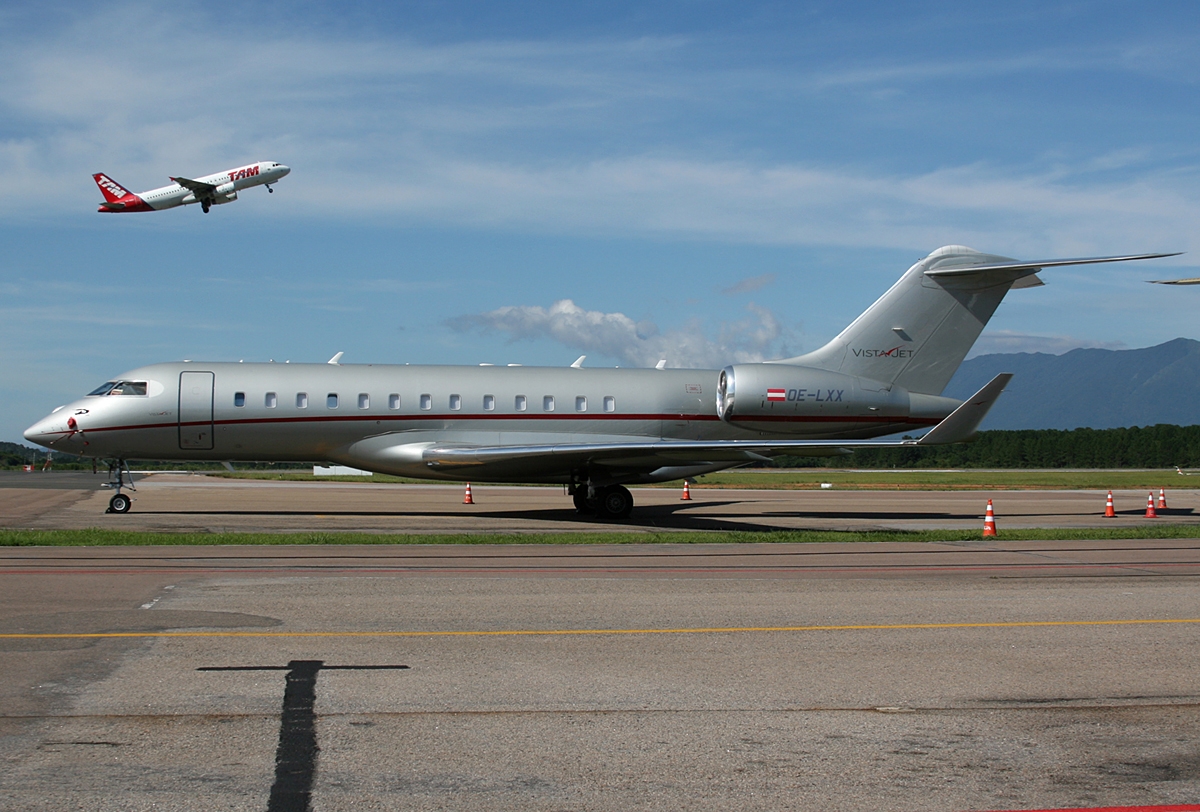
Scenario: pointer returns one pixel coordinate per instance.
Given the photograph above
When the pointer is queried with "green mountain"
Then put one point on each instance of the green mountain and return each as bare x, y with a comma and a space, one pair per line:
1099, 389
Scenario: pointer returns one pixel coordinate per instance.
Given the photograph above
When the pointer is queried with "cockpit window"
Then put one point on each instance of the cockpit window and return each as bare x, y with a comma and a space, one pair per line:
120, 388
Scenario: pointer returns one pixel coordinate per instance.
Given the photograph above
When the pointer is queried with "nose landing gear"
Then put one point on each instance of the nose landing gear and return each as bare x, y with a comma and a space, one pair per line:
119, 478
269, 189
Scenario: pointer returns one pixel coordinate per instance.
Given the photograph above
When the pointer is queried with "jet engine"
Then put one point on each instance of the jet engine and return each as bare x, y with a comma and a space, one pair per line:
224, 193
781, 393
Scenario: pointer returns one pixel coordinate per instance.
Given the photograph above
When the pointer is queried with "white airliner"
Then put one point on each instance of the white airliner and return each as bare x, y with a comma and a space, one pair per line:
210, 190
593, 430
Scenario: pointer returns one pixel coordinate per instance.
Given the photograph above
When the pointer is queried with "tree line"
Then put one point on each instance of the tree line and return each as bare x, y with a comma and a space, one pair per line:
1161, 446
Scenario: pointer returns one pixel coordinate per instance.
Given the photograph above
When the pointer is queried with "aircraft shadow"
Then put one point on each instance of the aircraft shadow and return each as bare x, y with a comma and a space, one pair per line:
648, 517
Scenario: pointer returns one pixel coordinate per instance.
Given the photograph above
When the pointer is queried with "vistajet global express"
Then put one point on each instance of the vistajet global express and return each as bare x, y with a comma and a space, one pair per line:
593, 430
208, 191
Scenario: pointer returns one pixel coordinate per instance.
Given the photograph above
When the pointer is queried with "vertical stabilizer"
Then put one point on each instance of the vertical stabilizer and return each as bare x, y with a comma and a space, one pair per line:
916, 335
111, 190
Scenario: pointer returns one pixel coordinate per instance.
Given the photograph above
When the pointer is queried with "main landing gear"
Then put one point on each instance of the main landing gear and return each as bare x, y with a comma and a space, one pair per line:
205, 206
607, 502
119, 478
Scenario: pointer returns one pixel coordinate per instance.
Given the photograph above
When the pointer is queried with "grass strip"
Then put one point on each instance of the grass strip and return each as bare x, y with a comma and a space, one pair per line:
97, 537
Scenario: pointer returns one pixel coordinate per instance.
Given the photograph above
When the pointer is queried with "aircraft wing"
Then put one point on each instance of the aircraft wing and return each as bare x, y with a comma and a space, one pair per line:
198, 188
958, 427
1193, 281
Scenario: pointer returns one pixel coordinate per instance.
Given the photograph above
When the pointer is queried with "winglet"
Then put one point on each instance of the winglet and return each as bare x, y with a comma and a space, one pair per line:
578, 362
335, 359
661, 364
964, 421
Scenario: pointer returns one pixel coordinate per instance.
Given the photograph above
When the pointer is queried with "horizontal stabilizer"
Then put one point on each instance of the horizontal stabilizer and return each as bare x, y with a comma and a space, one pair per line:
1039, 264
964, 421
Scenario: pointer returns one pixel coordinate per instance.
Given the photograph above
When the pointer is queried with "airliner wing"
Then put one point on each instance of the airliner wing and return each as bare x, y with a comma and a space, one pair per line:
198, 188
959, 426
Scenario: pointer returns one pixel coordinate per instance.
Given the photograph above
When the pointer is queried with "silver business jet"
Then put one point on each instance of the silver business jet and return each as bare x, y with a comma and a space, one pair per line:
593, 430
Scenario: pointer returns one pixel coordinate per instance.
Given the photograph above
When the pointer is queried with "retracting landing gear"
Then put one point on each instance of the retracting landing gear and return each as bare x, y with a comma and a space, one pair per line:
205, 206
269, 189
606, 502
119, 478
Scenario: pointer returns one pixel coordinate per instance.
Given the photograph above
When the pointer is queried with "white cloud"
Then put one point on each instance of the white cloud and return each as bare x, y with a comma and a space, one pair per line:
756, 338
456, 134
750, 285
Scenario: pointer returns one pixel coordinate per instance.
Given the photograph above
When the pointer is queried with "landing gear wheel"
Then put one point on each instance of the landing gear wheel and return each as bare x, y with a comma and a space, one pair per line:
120, 503
205, 206
582, 506
615, 502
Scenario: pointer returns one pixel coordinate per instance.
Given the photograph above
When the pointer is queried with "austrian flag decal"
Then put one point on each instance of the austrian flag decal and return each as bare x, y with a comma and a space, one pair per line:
776, 394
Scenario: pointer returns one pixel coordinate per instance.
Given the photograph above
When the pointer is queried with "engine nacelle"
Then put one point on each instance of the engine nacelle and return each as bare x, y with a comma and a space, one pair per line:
224, 194
785, 395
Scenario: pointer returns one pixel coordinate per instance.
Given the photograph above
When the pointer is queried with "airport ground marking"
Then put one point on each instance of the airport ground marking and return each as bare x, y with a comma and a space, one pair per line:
1016, 624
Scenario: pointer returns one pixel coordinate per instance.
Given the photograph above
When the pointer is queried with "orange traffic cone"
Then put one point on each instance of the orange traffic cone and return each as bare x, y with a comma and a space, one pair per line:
1162, 498
989, 522
1150, 514
467, 500
687, 495
1109, 513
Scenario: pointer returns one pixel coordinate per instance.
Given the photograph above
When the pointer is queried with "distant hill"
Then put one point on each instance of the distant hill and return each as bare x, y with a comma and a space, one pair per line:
1100, 389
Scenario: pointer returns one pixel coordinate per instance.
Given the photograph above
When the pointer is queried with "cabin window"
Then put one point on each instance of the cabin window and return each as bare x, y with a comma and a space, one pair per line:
455, 402
520, 403
426, 402
489, 403
610, 403
270, 401
548, 403
239, 399
364, 400
331, 400
393, 401
301, 400
580, 403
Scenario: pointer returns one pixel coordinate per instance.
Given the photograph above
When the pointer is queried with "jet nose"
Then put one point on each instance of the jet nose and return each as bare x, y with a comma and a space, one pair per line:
286, 170
37, 432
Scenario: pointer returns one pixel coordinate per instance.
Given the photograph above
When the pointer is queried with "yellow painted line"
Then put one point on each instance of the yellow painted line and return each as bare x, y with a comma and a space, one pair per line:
1020, 624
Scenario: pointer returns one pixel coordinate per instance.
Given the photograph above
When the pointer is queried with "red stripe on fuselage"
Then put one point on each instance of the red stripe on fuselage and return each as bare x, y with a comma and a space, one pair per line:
921, 421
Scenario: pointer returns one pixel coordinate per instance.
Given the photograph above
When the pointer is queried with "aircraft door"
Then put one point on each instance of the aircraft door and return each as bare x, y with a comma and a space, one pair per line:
196, 411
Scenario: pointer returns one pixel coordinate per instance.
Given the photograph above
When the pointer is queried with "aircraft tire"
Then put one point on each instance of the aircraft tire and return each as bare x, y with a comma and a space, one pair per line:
616, 502
120, 503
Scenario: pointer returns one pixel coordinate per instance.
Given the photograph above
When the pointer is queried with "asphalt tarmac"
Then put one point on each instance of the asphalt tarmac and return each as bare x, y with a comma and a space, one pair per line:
971, 676
175, 503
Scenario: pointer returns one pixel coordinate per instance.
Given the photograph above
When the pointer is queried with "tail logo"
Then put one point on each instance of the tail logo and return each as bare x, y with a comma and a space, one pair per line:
894, 352
111, 186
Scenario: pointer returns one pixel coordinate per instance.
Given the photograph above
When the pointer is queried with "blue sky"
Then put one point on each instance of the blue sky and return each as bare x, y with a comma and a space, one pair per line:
528, 182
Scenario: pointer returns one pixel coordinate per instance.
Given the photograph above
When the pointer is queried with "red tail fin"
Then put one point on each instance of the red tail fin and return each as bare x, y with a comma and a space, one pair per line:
111, 190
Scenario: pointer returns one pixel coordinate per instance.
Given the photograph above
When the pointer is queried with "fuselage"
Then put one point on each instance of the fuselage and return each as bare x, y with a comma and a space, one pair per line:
227, 184
366, 415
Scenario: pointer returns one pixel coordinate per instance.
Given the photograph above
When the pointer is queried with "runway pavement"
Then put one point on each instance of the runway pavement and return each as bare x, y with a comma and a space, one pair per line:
208, 504
923, 677
899, 676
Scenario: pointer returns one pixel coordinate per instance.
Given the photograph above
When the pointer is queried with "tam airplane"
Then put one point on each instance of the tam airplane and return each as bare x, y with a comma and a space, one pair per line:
208, 191
593, 430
